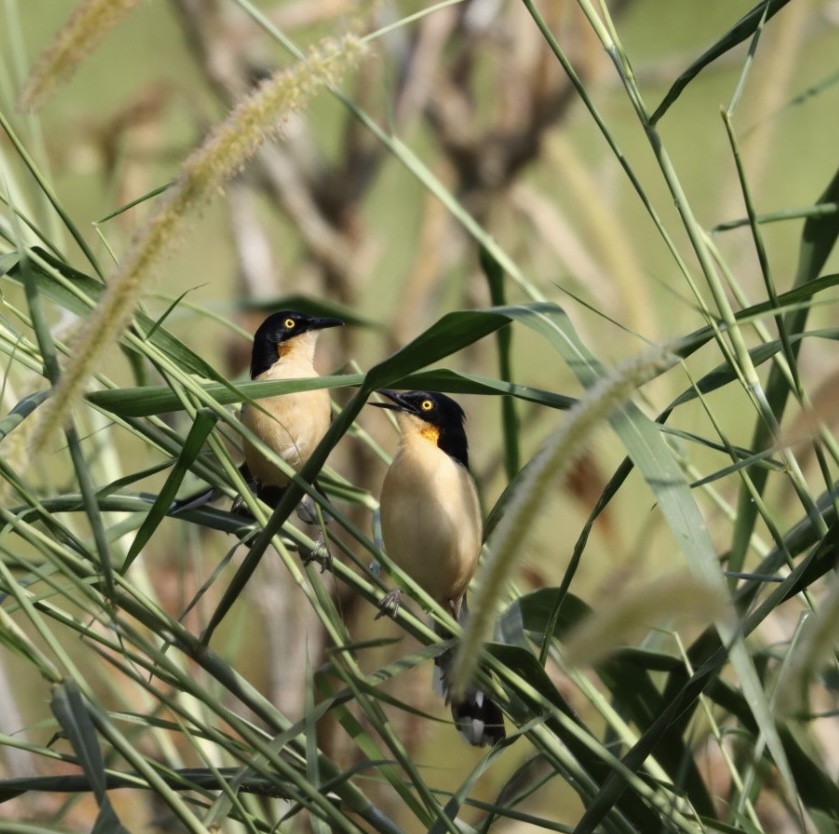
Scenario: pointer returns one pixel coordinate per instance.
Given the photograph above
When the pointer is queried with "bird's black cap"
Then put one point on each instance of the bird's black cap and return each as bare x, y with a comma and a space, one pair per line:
438, 410
278, 328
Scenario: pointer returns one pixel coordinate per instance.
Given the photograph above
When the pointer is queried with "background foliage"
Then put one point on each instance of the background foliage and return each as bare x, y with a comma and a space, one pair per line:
606, 228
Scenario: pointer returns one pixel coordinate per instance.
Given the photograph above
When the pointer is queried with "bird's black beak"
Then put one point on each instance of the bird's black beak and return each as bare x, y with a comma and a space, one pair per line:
396, 404
321, 323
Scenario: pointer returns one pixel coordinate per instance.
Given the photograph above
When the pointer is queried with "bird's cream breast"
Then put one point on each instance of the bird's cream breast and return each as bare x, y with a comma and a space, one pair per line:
431, 521
290, 424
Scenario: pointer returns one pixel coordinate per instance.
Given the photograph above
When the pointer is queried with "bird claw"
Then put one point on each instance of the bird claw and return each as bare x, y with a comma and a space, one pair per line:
238, 507
320, 554
389, 604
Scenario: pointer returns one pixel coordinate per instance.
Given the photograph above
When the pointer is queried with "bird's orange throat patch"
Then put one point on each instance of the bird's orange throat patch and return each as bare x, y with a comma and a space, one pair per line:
283, 348
416, 430
431, 433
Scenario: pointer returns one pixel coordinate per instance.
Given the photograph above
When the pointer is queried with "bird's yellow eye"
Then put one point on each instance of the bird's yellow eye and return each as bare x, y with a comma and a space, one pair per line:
426, 405
289, 324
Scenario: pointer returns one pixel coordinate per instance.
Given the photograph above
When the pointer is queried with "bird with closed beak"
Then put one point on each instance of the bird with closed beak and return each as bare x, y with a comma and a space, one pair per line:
291, 425
432, 528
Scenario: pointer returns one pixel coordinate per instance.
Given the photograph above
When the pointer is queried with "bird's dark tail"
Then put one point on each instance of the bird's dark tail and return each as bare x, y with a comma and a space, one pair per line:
478, 718
204, 496
195, 500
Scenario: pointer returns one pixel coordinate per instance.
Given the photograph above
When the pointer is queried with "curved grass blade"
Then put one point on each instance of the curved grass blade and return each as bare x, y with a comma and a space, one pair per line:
448, 335
69, 709
589, 754
645, 445
741, 31
549, 465
135, 202
459, 797
798, 296
777, 217
509, 419
22, 409
152, 400
78, 293
817, 242
194, 443
49, 193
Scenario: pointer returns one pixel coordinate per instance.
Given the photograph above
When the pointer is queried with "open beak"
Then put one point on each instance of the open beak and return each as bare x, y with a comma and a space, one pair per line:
396, 402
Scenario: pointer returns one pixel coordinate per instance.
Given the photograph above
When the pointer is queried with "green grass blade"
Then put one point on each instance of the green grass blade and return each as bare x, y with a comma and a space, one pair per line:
741, 31
21, 411
78, 293
817, 242
194, 443
645, 446
509, 419
48, 192
778, 216
135, 202
91, 506
458, 798
69, 709
562, 721
151, 400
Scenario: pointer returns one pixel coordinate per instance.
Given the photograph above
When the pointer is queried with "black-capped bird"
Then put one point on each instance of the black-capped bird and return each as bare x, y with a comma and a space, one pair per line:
291, 425
431, 526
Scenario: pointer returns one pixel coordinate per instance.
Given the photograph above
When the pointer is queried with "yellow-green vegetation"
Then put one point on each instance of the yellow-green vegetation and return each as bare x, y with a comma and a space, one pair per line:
606, 229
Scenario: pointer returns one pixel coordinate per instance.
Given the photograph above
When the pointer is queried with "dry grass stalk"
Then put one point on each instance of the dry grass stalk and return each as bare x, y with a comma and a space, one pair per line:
551, 463
80, 35
222, 155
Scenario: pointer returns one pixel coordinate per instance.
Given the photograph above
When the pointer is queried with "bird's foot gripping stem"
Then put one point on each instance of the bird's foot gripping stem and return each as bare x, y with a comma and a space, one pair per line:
319, 553
389, 604
312, 515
